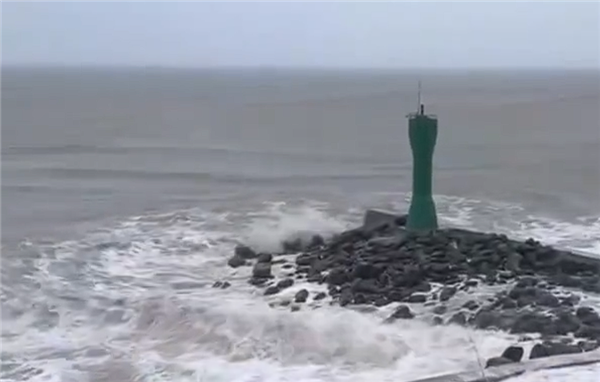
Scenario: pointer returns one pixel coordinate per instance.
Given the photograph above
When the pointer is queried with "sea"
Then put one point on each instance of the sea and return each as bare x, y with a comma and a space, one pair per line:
125, 190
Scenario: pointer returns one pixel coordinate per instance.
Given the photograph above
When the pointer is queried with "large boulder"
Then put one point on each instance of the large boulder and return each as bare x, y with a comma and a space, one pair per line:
245, 252
262, 271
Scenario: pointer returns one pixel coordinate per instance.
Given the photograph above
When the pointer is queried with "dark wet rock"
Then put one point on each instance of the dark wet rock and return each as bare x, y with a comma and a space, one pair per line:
437, 320
365, 286
315, 278
402, 312
316, 241
301, 296
295, 308
531, 322
513, 353
513, 262
285, 283
397, 295
485, 319
440, 309
508, 303
522, 292
258, 281
417, 298
591, 284
497, 361
566, 280
262, 270
360, 298
587, 346
337, 276
380, 301
422, 287
401, 220
345, 297
320, 296
265, 258
573, 265
588, 316
390, 242
292, 246
544, 298
287, 266
565, 322
285, 303
300, 244
527, 282
221, 284
471, 305
305, 260
447, 293
530, 295
236, 261
274, 289
586, 331
458, 319
245, 252
365, 271
303, 269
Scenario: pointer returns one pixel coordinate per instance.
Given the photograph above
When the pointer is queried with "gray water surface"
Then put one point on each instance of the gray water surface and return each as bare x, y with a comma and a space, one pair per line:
80, 145
124, 192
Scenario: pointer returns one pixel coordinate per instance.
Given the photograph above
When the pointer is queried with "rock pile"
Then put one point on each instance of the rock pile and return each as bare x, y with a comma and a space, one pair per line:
383, 263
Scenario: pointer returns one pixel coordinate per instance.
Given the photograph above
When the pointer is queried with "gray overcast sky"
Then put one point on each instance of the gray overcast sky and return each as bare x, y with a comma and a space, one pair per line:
368, 34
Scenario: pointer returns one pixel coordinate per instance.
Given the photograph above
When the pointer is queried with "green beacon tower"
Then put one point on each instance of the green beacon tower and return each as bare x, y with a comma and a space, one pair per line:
422, 132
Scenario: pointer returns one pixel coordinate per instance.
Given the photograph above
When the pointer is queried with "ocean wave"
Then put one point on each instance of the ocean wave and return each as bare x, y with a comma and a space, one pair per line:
66, 149
129, 148
133, 302
197, 176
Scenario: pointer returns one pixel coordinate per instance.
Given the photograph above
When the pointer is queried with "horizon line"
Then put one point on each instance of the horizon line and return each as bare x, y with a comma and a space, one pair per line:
289, 67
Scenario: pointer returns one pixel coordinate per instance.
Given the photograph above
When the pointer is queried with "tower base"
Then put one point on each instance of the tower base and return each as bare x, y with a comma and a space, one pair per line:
422, 215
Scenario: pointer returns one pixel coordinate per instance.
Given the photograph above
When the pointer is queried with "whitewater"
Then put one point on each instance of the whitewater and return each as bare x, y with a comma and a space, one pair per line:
125, 191
134, 302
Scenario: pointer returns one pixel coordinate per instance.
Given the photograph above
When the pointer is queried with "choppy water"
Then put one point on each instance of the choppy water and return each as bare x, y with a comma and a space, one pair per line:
124, 192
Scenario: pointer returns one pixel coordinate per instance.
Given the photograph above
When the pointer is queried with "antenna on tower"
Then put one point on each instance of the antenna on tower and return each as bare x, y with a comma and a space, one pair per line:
420, 108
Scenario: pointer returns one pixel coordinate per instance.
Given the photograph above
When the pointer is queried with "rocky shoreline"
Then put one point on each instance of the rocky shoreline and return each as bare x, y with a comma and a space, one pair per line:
381, 263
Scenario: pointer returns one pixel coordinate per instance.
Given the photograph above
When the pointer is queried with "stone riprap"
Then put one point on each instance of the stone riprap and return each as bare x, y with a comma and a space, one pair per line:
382, 263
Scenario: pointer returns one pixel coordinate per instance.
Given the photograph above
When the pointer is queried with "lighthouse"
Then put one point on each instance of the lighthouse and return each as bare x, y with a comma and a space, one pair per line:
422, 132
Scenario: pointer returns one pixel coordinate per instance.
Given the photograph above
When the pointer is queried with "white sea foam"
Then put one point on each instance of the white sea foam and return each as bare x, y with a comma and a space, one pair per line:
267, 228
141, 307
